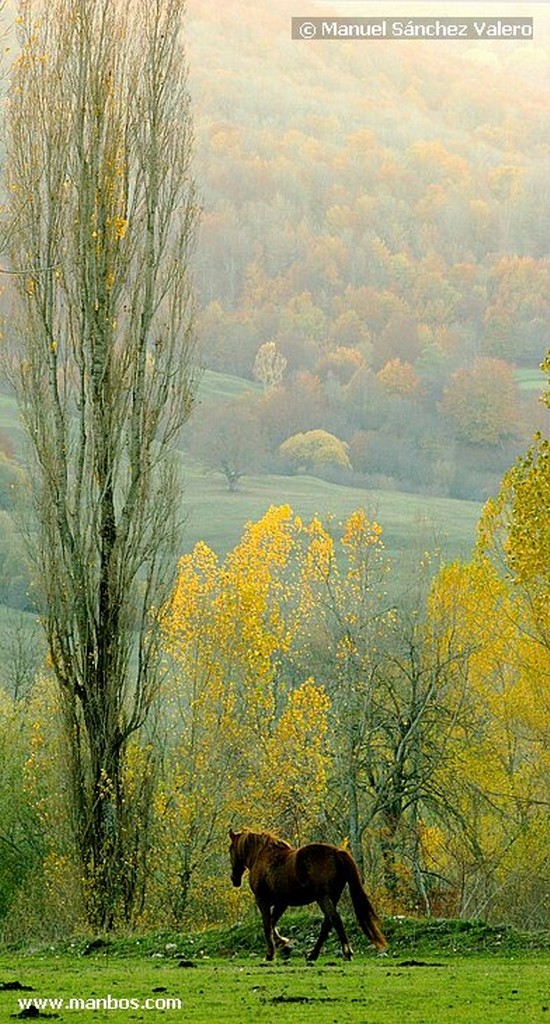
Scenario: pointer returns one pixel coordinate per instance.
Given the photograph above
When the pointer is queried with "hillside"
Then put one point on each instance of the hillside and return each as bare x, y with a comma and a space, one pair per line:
345, 666
378, 215
412, 523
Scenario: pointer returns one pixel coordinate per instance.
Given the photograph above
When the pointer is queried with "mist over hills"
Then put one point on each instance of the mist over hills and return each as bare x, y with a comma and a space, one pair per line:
378, 212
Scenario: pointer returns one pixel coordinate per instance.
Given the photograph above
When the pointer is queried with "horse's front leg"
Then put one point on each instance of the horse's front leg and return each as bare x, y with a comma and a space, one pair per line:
267, 919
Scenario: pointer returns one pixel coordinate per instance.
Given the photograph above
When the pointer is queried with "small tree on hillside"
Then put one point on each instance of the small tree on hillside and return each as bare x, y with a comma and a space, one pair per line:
269, 365
227, 437
315, 449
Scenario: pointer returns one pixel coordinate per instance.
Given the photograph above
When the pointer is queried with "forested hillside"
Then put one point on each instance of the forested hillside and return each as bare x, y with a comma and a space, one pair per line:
373, 250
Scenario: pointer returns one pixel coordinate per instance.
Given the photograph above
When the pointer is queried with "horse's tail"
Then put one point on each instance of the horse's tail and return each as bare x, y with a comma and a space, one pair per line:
364, 910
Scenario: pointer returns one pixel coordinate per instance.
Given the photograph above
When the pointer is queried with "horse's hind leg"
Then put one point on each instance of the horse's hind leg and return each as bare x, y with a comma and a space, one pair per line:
332, 920
277, 912
325, 929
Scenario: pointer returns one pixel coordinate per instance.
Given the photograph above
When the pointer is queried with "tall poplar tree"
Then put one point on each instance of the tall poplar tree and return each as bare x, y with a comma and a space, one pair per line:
99, 142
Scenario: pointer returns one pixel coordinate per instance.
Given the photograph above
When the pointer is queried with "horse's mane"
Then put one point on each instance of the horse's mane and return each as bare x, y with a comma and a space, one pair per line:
259, 840
273, 840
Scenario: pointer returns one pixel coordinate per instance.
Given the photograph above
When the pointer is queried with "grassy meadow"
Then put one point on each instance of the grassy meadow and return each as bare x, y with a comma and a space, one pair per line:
411, 523
225, 385
444, 973
529, 378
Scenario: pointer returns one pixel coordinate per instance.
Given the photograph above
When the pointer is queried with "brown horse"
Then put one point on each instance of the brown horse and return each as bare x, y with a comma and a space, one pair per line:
282, 876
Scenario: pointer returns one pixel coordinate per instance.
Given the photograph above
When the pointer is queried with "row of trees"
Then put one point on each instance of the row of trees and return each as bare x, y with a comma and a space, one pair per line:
372, 312
400, 428
422, 735
298, 696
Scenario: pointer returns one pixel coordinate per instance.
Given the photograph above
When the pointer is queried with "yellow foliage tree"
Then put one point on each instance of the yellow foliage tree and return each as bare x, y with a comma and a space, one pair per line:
399, 378
498, 775
315, 450
342, 600
497, 610
246, 741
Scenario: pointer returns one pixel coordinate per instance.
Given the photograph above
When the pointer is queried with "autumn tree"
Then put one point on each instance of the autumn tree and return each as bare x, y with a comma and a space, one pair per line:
399, 338
387, 673
342, 611
228, 438
340, 364
481, 403
269, 365
517, 314
299, 406
398, 378
514, 532
497, 609
245, 737
495, 777
102, 220
315, 450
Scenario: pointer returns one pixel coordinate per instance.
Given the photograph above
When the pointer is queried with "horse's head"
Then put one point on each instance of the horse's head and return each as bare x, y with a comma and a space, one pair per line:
236, 855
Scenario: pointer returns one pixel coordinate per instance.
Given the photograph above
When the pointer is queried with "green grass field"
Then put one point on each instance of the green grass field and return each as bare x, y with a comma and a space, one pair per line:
411, 523
453, 974
455, 991
530, 378
224, 385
